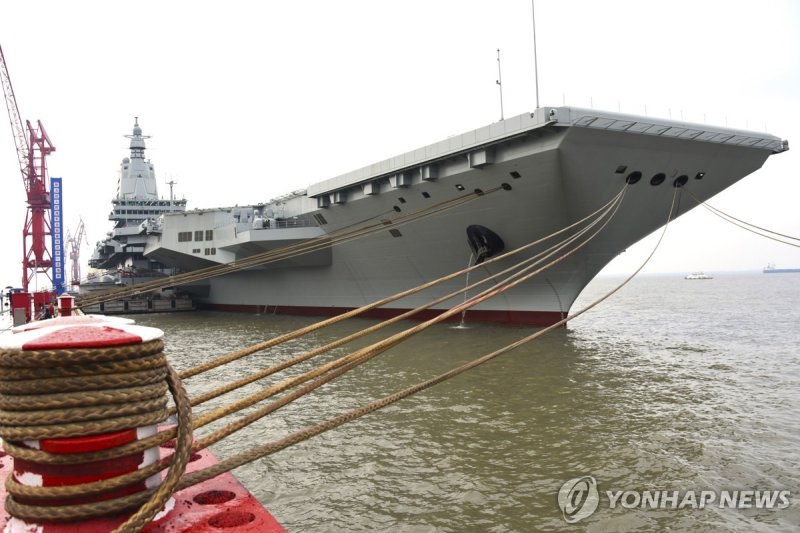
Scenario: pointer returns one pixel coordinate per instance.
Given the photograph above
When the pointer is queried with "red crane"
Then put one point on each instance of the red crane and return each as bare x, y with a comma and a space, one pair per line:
74, 243
33, 146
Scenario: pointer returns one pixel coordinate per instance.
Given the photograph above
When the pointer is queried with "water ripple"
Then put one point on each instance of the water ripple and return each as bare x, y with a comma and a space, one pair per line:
670, 385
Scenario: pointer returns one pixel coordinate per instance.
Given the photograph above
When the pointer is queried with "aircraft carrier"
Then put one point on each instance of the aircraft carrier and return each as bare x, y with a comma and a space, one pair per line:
530, 175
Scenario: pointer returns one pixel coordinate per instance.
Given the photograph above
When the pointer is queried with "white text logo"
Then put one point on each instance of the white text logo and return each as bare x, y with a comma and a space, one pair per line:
578, 498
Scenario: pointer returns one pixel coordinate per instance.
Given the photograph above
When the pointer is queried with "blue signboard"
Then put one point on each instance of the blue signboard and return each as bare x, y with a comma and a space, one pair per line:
57, 234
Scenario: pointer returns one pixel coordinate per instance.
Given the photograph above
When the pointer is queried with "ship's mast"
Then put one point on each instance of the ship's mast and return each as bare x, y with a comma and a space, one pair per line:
171, 183
535, 61
500, 83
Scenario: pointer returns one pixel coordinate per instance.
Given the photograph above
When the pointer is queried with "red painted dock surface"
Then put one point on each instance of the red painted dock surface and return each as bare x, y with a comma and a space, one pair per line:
214, 506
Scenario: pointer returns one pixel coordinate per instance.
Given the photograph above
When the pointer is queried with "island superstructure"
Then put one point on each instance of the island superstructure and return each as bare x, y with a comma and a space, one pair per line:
135, 208
547, 169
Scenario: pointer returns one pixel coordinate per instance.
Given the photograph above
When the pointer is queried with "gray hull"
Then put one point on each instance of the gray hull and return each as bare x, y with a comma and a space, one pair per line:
551, 169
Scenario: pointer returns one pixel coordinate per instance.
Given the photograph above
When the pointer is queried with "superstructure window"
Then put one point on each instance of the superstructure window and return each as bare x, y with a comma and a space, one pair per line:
209, 234
198, 235
184, 236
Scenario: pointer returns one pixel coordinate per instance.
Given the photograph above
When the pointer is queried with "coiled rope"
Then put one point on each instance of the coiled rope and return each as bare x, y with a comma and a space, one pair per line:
103, 390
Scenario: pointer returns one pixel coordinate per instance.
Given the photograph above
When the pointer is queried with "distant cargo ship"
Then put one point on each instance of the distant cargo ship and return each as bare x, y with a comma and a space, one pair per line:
770, 269
546, 170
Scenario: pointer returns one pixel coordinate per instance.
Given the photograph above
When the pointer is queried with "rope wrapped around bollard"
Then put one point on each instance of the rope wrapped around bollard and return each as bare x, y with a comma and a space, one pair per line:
89, 388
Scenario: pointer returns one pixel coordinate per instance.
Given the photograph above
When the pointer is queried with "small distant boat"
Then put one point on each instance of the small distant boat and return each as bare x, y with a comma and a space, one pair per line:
698, 275
770, 269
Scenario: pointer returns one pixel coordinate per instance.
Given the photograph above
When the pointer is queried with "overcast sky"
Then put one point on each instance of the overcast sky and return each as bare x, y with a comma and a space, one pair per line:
248, 100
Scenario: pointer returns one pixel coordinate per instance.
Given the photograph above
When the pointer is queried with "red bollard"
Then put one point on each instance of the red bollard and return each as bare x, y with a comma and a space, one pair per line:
75, 333
66, 305
218, 504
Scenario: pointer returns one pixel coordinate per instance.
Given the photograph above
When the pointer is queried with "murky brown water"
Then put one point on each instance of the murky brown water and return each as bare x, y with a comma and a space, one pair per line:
671, 385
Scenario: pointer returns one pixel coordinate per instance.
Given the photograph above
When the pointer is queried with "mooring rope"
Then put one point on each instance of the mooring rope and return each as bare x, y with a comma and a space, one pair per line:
85, 405
163, 436
44, 457
350, 361
321, 375
280, 387
322, 242
752, 228
305, 434
233, 356
309, 432
255, 376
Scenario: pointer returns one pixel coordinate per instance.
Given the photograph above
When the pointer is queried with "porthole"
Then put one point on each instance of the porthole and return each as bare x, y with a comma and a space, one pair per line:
459, 187
401, 200
478, 192
506, 186
621, 169
658, 179
633, 177
680, 181
397, 208
515, 174
426, 194
699, 175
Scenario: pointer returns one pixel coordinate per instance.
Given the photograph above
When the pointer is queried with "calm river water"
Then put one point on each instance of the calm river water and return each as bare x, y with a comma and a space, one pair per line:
671, 385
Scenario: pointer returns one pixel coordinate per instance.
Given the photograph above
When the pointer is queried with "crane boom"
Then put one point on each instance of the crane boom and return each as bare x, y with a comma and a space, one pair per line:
16, 122
74, 242
33, 146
